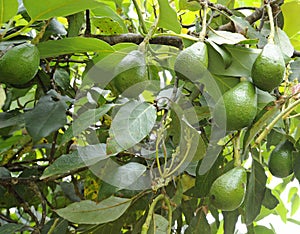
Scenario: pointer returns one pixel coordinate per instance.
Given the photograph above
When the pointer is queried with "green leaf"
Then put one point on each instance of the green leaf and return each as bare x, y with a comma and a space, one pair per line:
132, 123
10, 228
263, 118
109, 12
8, 9
119, 176
283, 41
242, 61
75, 23
158, 225
199, 222
87, 118
226, 56
47, 116
295, 204
89, 212
38, 10
224, 37
269, 201
189, 5
255, 192
2, 97
259, 229
167, 17
11, 118
85, 156
230, 220
106, 25
71, 45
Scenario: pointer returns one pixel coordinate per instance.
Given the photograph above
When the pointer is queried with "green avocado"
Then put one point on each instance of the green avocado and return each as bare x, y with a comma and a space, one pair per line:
268, 69
237, 108
131, 72
192, 62
19, 64
228, 192
281, 160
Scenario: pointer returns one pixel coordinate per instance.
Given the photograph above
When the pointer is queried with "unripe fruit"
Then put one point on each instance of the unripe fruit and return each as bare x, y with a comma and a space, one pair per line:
281, 160
268, 69
228, 192
19, 65
191, 63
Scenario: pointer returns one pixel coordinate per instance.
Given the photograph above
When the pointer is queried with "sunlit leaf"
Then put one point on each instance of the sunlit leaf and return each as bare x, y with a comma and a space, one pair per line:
8, 8
168, 17
38, 10
71, 45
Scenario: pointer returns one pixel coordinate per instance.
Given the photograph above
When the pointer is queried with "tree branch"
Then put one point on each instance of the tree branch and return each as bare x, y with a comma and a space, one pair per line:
137, 39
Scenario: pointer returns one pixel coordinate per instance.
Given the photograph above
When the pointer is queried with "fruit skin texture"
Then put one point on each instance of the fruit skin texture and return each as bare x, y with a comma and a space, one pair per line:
268, 69
238, 106
130, 72
281, 160
228, 191
20, 64
192, 62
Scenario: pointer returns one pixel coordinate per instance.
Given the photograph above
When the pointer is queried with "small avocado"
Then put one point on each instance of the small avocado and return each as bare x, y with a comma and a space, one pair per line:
19, 64
228, 191
281, 160
268, 69
192, 62
238, 107
131, 72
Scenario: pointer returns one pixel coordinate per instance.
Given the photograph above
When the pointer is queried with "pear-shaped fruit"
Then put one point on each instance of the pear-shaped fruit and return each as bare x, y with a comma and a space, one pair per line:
192, 62
19, 64
237, 108
281, 160
268, 69
228, 191
130, 73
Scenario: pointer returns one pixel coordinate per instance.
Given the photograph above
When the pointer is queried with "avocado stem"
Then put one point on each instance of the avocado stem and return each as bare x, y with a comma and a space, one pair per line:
236, 150
146, 225
203, 31
140, 16
266, 131
272, 27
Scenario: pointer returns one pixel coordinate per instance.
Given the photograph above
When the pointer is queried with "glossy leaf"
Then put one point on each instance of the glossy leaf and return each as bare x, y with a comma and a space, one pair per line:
269, 201
255, 192
158, 225
168, 17
224, 37
89, 117
89, 212
10, 228
264, 117
38, 10
47, 116
8, 8
242, 60
119, 176
71, 46
132, 123
230, 220
85, 156
199, 222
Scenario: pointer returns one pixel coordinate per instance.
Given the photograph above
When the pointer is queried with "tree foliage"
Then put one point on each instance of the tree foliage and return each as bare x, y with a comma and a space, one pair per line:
78, 154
